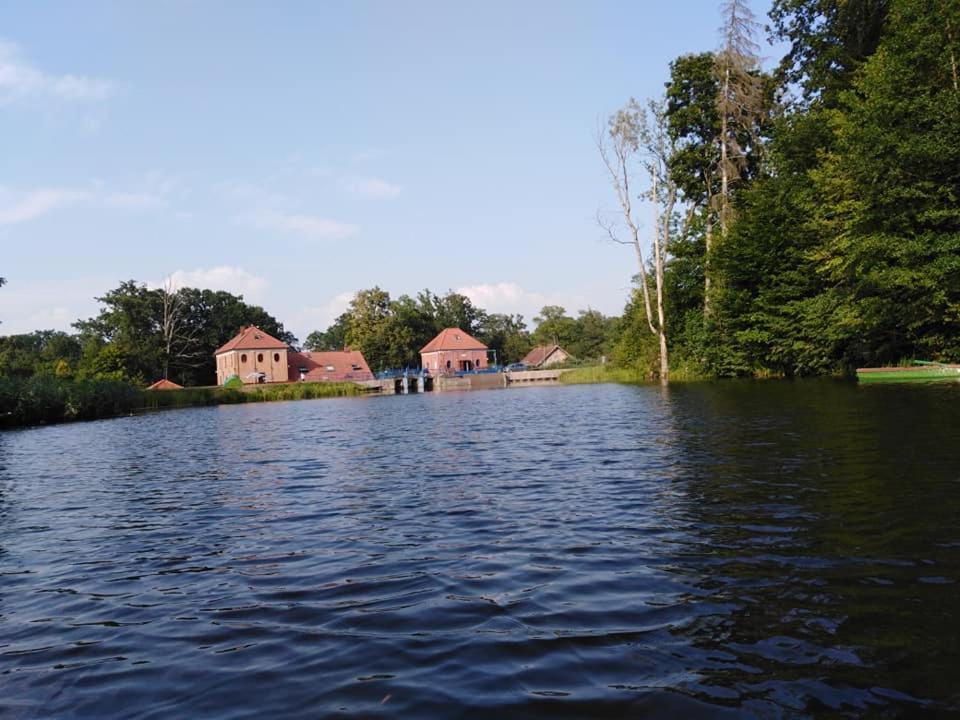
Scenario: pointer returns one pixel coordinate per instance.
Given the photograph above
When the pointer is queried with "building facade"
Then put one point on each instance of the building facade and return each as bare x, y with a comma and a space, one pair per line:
254, 356
452, 351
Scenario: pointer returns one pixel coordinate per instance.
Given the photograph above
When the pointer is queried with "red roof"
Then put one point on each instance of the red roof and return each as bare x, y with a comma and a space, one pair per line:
252, 338
453, 339
320, 366
165, 385
539, 355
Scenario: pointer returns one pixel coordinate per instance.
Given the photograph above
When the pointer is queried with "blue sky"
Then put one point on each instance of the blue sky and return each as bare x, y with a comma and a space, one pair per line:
298, 152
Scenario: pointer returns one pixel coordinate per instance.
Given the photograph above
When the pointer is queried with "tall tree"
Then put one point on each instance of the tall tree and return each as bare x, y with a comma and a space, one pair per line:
333, 338
638, 139
740, 98
829, 40
693, 122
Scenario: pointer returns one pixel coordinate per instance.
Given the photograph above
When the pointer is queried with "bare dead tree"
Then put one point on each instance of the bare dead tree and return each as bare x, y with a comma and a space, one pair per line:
951, 44
740, 97
637, 137
618, 148
180, 339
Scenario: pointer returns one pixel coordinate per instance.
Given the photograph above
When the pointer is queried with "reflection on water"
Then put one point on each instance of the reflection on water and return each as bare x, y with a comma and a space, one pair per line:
769, 549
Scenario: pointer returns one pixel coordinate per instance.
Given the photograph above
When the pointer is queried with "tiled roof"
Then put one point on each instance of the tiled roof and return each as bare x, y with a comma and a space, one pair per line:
252, 338
165, 385
453, 339
346, 365
539, 355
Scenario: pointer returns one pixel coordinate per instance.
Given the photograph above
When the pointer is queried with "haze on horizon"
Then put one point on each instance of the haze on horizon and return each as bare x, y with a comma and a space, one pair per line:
298, 156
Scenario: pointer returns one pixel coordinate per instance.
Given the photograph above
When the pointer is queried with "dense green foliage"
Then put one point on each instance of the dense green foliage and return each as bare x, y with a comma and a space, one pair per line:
844, 249
130, 341
44, 399
390, 333
48, 399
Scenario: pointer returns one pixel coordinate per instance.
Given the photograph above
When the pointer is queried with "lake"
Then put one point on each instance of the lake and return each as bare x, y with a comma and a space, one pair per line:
769, 549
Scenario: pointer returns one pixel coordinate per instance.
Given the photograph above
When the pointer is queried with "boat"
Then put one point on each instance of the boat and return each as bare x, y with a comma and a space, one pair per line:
920, 371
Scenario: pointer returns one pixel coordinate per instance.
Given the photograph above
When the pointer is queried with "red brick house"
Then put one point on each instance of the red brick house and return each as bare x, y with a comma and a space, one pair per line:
254, 356
345, 366
452, 351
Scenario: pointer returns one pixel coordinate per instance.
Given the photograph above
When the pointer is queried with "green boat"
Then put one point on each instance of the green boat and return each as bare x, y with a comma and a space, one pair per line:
920, 371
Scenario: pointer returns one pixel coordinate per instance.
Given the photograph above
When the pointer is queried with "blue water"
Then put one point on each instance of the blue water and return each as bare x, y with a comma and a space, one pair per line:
768, 549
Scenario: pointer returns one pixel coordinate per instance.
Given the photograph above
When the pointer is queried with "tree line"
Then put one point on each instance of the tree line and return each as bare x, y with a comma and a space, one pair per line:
391, 332
805, 221
142, 334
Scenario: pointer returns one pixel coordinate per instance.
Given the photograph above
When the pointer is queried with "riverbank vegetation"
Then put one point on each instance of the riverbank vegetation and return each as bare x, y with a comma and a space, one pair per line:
808, 218
46, 399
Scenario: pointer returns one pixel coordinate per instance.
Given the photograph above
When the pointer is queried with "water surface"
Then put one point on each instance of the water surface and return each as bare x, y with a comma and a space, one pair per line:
767, 549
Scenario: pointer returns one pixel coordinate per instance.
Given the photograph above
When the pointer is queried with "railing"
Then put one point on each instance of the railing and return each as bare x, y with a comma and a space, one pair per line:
443, 372
401, 372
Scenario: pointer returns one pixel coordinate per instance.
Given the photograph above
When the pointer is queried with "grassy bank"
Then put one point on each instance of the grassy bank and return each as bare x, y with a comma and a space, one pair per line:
611, 374
44, 399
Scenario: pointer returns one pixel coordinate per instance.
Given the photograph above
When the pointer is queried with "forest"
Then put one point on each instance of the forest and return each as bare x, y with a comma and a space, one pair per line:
807, 218
807, 223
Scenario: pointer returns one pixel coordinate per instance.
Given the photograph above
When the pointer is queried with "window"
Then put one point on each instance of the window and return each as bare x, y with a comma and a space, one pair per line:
355, 367
276, 357
243, 358
331, 368
259, 357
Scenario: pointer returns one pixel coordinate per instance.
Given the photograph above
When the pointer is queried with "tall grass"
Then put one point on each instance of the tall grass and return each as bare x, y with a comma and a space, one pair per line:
46, 399
604, 374
617, 374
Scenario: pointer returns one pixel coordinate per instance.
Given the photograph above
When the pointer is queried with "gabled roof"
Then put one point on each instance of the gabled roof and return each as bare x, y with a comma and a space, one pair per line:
347, 365
165, 385
252, 338
453, 339
540, 354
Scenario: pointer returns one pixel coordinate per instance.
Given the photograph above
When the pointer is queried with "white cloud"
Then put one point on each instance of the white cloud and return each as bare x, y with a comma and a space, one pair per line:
371, 187
23, 206
21, 81
48, 305
132, 200
223, 277
305, 320
511, 298
309, 227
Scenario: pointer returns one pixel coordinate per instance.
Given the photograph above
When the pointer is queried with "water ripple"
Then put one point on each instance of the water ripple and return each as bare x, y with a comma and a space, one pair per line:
751, 549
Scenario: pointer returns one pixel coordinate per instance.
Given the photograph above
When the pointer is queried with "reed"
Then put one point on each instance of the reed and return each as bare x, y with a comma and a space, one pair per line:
45, 399
618, 374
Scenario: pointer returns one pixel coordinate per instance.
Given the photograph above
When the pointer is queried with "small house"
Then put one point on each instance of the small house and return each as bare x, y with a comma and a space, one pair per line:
340, 366
545, 355
254, 356
453, 350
